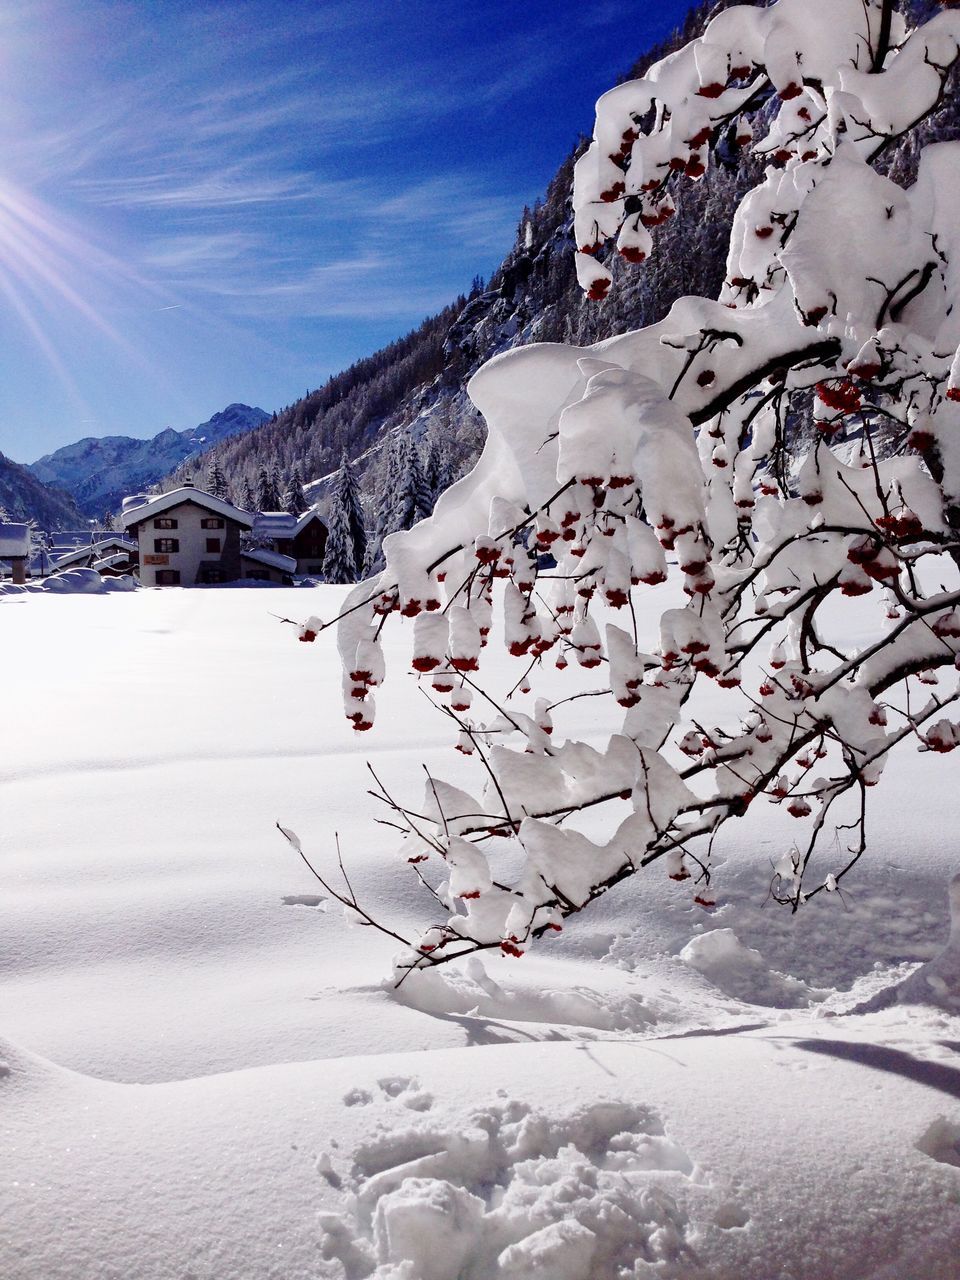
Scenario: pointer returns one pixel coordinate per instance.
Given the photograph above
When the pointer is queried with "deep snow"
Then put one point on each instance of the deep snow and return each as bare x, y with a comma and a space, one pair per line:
206, 1076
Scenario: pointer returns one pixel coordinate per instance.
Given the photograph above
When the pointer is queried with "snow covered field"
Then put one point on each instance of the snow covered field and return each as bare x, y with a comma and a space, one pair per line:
205, 1076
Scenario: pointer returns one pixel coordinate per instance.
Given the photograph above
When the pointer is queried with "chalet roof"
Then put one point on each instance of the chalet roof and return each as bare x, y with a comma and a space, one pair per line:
271, 559
137, 508
14, 541
98, 550
64, 540
111, 562
281, 524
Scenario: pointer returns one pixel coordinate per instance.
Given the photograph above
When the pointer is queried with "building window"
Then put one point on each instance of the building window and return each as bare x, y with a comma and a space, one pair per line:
211, 573
211, 522
166, 544
213, 544
258, 575
164, 522
168, 578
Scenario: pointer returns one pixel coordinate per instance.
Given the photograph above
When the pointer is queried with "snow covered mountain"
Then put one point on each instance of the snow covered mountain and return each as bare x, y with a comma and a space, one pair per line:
99, 473
418, 383
24, 497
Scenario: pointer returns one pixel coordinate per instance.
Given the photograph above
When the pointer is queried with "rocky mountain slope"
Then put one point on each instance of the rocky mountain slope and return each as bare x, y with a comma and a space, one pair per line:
99, 473
418, 383
24, 497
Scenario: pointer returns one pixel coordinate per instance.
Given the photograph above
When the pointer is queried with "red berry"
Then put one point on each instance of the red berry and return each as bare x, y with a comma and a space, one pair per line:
841, 395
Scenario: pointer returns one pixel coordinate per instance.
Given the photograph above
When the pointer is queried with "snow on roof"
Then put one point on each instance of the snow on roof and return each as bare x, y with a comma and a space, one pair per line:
97, 549
275, 524
311, 514
281, 524
272, 559
111, 562
175, 498
14, 541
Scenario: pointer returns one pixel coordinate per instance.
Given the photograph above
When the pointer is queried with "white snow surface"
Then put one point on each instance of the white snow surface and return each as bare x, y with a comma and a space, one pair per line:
203, 1072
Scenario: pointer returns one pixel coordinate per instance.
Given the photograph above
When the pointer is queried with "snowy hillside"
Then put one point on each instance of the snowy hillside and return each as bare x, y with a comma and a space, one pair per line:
204, 1073
24, 497
418, 383
100, 473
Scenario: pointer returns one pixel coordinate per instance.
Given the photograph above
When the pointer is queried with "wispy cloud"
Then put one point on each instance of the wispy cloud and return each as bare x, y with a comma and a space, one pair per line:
203, 191
278, 185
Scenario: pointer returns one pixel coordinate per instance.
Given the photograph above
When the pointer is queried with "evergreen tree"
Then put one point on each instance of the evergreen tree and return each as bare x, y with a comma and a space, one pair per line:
267, 499
295, 500
217, 485
384, 496
346, 538
276, 484
412, 499
249, 497
349, 490
439, 472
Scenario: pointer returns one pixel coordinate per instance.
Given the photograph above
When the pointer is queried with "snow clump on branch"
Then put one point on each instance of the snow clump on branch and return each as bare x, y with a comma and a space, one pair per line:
671, 445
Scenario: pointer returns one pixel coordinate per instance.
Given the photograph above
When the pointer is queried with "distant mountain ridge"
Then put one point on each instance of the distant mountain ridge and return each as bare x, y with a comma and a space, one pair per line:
100, 473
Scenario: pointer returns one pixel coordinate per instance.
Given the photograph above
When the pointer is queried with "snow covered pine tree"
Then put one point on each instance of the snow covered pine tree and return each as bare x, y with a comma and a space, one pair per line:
670, 445
295, 500
346, 538
217, 482
267, 497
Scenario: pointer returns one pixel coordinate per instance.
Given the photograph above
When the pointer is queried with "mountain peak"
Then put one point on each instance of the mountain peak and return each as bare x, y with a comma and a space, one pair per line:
99, 473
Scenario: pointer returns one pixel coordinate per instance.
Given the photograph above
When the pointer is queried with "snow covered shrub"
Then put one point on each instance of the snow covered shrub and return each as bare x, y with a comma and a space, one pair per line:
678, 449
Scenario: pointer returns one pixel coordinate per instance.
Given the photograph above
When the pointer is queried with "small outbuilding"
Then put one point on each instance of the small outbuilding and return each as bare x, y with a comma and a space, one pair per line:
15, 549
263, 565
121, 552
302, 537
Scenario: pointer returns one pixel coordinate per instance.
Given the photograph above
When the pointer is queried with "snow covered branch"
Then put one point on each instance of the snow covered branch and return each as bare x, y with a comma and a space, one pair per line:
787, 451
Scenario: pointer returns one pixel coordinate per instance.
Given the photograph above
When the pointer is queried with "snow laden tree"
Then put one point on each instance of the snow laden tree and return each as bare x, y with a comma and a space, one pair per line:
346, 537
673, 453
295, 500
217, 482
412, 498
268, 499
402, 495
438, 473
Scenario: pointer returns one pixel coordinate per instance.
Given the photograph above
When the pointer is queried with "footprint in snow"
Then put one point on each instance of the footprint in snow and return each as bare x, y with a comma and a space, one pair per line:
406, 1090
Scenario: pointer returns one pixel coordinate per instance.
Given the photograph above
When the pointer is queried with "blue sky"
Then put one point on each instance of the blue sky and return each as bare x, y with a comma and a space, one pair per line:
209, 202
